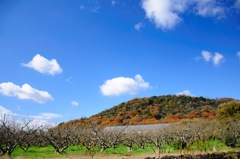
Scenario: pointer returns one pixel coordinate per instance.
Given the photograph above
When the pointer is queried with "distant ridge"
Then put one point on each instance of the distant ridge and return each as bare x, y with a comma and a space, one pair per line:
155, 110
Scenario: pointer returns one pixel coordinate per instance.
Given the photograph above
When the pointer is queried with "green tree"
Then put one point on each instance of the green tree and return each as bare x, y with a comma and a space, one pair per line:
229, 111
228, 115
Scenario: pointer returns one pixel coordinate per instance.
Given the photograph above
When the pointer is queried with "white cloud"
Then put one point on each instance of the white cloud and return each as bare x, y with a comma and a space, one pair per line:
206, 55
238, 54
218, 58
43, 65
166, 13
138, 26
185, 93
123, 85
24, 92
74, 103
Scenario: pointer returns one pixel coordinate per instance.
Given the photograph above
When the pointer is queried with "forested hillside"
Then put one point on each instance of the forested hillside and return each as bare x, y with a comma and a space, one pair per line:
156, 109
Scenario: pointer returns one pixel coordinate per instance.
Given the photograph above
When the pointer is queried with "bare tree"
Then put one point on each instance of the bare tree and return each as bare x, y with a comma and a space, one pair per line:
141, 139
107, 138
58, 137
130, 140
14, 133
88, 140
203, 131
39, 139
182, 134
157, 138
29, 139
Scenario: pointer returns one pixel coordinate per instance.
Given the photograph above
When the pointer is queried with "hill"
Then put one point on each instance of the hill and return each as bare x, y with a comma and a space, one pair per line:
155, 109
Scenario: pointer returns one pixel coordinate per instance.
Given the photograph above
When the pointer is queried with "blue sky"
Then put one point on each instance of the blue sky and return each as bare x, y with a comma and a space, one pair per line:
62, 60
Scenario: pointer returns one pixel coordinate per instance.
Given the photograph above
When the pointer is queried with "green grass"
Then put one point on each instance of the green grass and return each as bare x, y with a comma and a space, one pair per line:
36, 152
74, 151
209, 146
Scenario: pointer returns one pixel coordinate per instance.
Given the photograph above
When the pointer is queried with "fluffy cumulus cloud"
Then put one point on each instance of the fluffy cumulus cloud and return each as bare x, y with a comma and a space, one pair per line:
206, 55
217, 58
24, 92
123, 85
185, 93
166, 14
43, 65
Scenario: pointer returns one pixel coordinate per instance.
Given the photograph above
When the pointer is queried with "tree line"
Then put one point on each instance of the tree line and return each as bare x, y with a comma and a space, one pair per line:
23, 134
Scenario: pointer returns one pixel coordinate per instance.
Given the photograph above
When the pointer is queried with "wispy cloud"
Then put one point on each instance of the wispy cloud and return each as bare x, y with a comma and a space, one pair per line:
24, 92
95, 9
217, 58
81, 7
69, 79
113, 2
186, 93
138, 26
4, 111
41, 119
123, 85
209, 8
166, 14
46, 116
43, 65
74, 103
238, 54
237, 4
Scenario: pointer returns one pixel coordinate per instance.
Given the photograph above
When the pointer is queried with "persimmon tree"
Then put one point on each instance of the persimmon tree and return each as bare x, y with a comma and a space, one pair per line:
58, 137
107, 138
157, 138
182, 134
14, 133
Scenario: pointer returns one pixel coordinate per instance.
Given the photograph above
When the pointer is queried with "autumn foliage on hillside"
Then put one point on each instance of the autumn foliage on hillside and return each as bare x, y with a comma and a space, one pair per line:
156, 109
